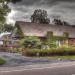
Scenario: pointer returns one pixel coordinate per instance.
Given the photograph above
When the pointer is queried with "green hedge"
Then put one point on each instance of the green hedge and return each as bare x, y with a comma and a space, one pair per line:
50, 52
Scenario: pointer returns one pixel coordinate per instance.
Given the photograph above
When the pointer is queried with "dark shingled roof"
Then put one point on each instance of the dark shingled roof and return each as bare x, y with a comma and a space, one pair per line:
36, 29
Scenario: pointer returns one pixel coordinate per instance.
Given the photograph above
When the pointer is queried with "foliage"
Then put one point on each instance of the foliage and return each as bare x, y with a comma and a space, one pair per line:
52, 43
40, 16
8, 27
18, 31
51, 40
4, 10
59, 22
2, 61
13, 49
64, 50
66, 34
31, 42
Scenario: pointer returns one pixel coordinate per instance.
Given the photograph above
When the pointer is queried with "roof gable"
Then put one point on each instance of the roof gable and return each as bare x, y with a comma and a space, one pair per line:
37, 29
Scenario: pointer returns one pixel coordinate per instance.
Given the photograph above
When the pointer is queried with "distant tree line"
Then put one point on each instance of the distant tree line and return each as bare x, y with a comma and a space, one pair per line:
41, 16
59, 22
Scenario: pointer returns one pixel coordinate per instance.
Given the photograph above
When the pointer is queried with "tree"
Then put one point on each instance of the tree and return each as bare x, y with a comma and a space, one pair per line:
4, 10
8, 28
65, 23
57, 22
40, 16
18, 31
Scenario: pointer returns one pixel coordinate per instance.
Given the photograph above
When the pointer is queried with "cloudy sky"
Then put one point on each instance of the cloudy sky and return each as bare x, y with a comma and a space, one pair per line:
61, 9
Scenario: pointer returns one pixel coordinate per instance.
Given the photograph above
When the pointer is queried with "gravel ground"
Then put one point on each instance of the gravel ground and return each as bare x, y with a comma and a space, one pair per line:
14, 59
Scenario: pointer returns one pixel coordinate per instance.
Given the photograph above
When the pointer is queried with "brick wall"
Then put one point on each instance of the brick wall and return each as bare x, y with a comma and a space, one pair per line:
71, 42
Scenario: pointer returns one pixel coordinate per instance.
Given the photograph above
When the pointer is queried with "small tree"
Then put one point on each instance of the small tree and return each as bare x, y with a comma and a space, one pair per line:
31, 42
57, 22
18, 31
40, 16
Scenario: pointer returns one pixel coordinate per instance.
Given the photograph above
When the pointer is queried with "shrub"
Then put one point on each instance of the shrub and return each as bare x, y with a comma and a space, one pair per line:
31, 42
2, 61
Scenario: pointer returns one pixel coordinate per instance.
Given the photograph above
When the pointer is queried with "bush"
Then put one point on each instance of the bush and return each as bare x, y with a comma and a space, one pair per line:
2, 61
45, 52
31, 42
51, 51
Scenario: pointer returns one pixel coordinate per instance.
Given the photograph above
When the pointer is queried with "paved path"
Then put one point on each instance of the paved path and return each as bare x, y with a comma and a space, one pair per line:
14, 59
47, 69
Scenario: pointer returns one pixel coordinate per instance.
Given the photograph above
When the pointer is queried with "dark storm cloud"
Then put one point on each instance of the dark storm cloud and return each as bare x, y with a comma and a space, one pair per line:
63, 9
50, 2
55, 16
28, 2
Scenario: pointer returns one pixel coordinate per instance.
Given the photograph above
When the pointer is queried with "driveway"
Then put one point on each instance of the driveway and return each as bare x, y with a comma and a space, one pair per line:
15, 59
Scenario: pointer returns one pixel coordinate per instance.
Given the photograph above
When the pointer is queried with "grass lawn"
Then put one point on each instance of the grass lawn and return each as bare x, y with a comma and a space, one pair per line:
2, 61
59, 57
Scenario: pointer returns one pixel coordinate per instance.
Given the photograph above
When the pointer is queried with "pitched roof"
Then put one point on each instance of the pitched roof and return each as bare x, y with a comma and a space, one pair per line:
36, 29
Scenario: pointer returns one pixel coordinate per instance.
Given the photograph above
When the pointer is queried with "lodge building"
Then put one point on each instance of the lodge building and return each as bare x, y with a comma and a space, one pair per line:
62, 34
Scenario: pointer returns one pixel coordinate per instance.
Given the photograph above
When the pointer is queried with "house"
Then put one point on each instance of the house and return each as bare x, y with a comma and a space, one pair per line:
48, 33
5, 37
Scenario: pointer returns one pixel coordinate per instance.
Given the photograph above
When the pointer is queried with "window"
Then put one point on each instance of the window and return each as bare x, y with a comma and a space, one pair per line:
66, 34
